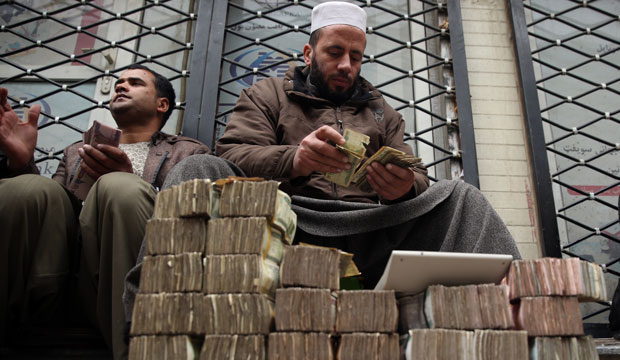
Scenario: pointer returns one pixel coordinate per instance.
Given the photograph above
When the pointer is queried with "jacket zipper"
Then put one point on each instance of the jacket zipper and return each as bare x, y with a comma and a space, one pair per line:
161, 163
74, 170
341, 129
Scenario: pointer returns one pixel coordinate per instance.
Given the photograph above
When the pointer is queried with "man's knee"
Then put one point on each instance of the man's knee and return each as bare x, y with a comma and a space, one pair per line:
121, 185
122, 189
201, 166
30, 190
471, 194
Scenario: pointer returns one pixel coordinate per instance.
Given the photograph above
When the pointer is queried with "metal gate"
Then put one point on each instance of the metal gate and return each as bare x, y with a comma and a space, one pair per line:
568, 54
65, 55
414, 56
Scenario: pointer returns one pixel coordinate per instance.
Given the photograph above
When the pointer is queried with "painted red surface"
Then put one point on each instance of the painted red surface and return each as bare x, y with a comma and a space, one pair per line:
614, 191
85, 41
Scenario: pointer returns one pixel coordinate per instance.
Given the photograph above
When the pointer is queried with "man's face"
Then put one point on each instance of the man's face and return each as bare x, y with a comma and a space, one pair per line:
336, 60
135, 94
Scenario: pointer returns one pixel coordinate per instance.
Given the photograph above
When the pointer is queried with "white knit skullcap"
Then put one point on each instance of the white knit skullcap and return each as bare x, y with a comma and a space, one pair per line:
338, 13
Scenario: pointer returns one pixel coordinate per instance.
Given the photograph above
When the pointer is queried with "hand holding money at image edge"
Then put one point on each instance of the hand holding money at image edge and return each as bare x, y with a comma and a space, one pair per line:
316, 154
103, 159
17, 138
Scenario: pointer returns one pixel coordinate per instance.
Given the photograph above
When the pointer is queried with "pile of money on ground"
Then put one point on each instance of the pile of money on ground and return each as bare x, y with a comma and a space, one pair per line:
313, 321
221, 281
212, 267
534, 315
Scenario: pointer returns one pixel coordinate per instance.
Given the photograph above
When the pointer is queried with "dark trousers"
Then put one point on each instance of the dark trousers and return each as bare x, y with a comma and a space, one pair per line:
41, 251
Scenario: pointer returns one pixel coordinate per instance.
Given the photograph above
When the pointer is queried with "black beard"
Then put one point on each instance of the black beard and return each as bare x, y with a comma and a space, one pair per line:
316, 79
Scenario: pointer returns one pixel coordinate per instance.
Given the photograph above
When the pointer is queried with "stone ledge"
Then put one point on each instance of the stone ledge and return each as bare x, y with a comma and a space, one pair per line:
608, 348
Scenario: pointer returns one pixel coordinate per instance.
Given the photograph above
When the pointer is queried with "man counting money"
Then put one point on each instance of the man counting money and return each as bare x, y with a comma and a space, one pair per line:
47, 233
285, 129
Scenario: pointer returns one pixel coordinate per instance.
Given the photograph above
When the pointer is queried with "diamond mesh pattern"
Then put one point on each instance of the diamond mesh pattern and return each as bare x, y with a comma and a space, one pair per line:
56, 52
407, 58
575, 51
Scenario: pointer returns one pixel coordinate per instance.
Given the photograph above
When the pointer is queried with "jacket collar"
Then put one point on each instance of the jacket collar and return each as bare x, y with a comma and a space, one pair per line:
159, 137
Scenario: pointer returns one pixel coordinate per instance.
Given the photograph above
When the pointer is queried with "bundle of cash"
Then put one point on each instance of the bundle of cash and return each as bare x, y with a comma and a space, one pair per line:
243, 197
379, 309
167, 314
244, 235
367, 322
557, 277
385, 155
171, 273
248, 198
431, 344
162, 346
198, 197
199, 314
562, 316
240, 274
300, 346
468, 307
167, 204
354, 147
304, 309
501, 344
246, 347
307, 266
241, 314
374, 346
437, 344
574, 348
175, 236
346, 264
99, 133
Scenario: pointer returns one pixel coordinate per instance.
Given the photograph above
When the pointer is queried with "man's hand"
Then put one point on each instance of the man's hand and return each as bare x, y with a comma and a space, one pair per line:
390, 181
17, 138
103, 159
316, 154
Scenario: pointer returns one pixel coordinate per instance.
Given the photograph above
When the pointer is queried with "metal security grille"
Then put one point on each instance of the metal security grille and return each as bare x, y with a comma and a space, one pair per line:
65, 55
569, 62
408, 57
